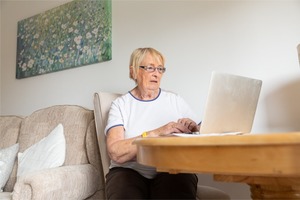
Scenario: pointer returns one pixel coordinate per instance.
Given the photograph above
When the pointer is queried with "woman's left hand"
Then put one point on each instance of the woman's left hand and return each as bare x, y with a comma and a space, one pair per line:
190, 124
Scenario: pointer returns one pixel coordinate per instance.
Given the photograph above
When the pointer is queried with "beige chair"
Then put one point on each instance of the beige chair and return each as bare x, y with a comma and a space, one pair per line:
102, 103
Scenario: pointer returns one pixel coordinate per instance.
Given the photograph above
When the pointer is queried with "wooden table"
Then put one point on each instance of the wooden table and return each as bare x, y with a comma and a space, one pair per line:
269, 163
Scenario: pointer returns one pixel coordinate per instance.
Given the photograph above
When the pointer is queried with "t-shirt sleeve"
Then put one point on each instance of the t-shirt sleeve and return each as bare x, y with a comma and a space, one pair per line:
114, 116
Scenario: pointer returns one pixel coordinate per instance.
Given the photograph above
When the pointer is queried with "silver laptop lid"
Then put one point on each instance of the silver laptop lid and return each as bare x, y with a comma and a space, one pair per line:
231, 104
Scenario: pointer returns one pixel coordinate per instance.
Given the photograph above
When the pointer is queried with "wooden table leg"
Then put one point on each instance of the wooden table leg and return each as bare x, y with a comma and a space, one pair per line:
275, 188
274, 192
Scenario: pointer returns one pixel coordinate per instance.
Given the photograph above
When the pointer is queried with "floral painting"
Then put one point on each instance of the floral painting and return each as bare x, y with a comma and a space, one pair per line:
75, 34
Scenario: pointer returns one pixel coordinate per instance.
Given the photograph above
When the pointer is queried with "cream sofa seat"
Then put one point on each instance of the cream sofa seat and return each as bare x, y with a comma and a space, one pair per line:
81, 175
5, 195
102, 103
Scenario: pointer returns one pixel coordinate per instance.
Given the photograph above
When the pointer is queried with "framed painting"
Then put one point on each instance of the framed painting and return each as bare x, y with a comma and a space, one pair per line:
74, 34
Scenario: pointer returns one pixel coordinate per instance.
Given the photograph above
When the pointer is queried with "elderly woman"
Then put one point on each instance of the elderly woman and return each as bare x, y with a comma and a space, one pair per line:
146, 111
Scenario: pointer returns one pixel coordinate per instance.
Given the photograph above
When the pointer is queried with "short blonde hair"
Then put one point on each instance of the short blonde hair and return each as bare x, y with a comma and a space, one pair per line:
138, 56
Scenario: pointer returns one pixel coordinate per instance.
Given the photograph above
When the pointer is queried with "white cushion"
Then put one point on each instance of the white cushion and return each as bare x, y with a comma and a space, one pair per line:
48, 153
7, 160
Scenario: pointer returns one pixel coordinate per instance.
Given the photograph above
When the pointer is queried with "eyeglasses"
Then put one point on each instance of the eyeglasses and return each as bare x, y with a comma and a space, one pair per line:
152, 69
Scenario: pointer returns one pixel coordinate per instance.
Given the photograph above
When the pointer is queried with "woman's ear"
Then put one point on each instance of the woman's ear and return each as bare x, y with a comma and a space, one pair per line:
132, 73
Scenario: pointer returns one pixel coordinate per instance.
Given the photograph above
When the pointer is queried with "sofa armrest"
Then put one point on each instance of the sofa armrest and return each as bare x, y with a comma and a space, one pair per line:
66, 182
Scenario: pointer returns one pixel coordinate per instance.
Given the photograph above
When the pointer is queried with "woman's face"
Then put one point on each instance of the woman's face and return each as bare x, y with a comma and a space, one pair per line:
149, 80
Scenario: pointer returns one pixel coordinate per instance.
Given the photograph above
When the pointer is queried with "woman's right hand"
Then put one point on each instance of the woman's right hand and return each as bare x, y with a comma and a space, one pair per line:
171, 127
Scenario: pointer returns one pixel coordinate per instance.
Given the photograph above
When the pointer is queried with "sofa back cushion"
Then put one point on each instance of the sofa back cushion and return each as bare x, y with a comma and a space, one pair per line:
9, 132
75, 120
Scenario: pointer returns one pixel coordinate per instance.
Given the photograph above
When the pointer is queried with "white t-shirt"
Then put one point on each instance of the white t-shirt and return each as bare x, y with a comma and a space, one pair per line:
137, 116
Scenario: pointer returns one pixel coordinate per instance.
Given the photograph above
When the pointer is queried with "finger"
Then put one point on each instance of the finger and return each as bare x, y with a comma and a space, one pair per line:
189, 124
192, 124
194, 128
184, 122
180, 128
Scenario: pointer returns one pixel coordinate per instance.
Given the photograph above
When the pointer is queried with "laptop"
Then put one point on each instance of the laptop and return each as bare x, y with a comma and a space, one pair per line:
230, 106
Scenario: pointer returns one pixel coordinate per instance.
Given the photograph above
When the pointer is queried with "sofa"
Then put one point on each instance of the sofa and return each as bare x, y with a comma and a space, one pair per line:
78, 176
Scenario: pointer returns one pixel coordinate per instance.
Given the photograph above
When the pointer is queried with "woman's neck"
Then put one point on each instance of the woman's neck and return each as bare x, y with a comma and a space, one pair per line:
144, 94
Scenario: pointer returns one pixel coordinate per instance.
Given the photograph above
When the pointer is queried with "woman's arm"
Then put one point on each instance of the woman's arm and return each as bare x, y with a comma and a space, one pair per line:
122, 150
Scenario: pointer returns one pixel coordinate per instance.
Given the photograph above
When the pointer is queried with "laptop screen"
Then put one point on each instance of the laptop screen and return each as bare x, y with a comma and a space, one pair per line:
231, 104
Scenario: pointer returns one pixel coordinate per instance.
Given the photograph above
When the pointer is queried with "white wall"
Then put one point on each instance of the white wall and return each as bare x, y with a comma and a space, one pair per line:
0, 52
251, 38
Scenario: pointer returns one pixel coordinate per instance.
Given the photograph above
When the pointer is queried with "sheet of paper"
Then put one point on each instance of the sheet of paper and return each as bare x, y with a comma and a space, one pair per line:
195, 134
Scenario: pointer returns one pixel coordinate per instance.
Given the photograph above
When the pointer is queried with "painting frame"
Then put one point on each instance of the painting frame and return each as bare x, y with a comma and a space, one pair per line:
75, 34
